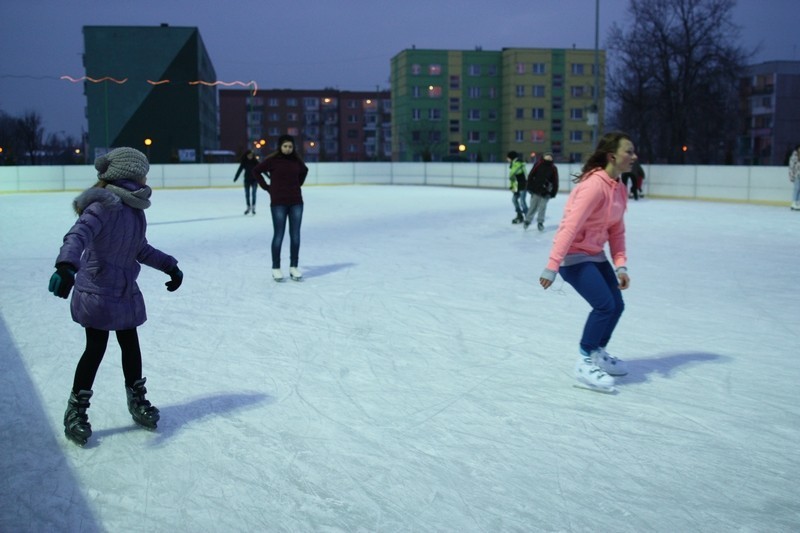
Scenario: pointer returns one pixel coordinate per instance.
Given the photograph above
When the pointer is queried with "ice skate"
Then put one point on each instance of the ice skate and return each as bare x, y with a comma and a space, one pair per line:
142, 411
592, 377
295, 274
76, 423
608, 363
540, 226
519, 218
277, 275
247, 211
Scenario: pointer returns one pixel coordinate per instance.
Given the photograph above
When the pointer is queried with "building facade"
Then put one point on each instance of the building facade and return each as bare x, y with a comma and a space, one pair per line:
770, 103
150, 88
479, 105
327, 124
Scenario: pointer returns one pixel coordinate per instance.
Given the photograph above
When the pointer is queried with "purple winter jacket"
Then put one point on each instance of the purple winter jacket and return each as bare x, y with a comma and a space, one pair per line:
106, 246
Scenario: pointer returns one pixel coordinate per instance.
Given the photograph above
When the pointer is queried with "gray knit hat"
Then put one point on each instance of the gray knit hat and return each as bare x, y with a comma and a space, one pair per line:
122, 164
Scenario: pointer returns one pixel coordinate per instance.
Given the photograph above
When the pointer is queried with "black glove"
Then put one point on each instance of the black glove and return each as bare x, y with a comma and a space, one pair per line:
62, 280
175, 279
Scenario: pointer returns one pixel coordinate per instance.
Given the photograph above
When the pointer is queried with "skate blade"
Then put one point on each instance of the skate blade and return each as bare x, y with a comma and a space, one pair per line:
281, 280
611, 390
297, 279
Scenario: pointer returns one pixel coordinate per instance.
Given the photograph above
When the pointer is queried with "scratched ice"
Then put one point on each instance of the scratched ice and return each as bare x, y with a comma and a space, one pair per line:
417, 380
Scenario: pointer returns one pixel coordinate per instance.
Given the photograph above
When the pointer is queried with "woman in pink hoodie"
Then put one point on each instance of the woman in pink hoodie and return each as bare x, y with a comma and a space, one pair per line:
593, 216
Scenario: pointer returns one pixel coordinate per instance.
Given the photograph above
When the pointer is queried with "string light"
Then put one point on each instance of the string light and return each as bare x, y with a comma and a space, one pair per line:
161, 82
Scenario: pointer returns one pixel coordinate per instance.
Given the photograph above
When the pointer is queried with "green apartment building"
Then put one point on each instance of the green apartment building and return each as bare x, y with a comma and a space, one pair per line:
478, 105
150, 83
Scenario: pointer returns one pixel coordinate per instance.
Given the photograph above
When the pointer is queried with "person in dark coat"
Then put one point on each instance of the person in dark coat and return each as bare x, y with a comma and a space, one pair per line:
543, 185
246, 165
101, 257
287, 172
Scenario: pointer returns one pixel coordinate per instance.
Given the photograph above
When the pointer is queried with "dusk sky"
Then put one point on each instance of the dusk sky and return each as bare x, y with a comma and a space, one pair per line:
314, 44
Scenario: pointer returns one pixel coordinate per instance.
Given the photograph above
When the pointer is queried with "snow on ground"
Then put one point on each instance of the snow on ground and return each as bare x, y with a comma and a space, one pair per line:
419, 379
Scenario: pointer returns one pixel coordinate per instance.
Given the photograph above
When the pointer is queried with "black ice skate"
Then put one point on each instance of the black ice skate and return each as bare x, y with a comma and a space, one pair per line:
143, 413
76, 422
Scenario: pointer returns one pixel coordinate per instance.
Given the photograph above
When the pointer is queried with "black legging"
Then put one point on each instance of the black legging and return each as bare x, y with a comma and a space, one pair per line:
96, 342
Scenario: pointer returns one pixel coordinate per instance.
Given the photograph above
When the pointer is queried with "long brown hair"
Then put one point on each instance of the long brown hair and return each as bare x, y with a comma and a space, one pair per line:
608, 144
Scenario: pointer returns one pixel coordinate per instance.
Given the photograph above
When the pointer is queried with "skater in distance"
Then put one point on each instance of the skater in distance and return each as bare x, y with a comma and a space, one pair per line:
101, 257
246, 165
594, 216
517, 183
286, 172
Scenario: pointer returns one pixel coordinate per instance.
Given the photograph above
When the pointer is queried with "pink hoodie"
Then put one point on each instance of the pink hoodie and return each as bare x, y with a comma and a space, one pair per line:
593, 216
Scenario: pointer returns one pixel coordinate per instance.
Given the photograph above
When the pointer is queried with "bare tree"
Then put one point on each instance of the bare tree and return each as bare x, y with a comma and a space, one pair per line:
674, 80
30, 133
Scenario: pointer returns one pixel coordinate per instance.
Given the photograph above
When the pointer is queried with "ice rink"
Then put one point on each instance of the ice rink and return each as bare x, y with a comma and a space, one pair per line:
419, 379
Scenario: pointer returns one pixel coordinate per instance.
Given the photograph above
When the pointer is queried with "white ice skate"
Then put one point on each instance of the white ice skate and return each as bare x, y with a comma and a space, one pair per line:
277, 275
295, 274
592, 377
608, 363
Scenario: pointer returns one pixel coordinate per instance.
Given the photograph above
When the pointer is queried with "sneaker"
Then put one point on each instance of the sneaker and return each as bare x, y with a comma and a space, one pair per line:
295, 273
590, 376
608, 363
277, 275
540, 226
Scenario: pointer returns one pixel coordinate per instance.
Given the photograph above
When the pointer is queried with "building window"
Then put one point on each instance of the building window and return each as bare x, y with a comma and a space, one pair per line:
474, 92
537, 113
435, 136
352, 104
538, 68
311, 103
520, 67
274, 131
575, 157
291, 102
537, 90
537, 136
491, 70
273, 117
415, 92
434, 114
576, 69
558, 80
556, 125
455, 82
416, 114
352, 119
576, 136
519, 136
273, 102
520, 90
576, 113
434, 91
491, 136
474, 136
558, 102
519, 113
474, 70
455, 126
291, 117
493, 93
455, 104
434, 70
492, 114
474, 114
416, 69
576, 91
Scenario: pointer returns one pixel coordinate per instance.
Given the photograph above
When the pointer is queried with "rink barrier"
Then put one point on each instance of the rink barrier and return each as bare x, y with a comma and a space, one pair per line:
762, 184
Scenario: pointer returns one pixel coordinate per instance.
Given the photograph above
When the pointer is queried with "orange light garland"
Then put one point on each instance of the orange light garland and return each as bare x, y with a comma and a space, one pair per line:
161, 82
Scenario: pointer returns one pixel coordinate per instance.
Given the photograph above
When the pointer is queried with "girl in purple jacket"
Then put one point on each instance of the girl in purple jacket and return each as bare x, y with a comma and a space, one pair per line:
593, 216
101, 258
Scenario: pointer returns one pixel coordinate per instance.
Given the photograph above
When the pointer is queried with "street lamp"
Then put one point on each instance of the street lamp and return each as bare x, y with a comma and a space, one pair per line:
147, 143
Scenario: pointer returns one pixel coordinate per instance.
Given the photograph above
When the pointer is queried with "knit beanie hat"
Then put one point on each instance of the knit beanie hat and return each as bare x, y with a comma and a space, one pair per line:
122, 164
285, 138
512, 155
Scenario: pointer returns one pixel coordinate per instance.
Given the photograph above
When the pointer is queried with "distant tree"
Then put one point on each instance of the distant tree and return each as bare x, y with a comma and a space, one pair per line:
30, 133
9, 141
675, 77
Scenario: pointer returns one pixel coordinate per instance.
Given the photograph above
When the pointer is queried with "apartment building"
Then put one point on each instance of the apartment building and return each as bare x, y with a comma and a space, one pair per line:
477, 105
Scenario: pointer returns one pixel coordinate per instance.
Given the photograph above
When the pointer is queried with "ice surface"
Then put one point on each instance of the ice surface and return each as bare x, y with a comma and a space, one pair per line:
419, 379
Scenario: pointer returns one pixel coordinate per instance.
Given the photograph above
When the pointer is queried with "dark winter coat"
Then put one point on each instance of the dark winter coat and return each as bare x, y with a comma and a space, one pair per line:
286, 175
246, 166
543, 179
106, 246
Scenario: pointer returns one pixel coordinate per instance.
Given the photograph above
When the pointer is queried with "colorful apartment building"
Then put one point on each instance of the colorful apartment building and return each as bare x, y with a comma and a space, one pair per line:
478, 105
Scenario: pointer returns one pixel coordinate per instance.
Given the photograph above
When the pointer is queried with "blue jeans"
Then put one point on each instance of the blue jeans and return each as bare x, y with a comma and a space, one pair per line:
250, 188
597, 283
796, 197
279, 215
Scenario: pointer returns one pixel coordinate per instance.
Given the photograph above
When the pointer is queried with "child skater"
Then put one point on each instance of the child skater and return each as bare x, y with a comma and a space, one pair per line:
593, 216
246, 165
101, 257
287, 173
